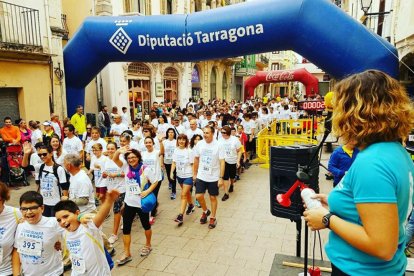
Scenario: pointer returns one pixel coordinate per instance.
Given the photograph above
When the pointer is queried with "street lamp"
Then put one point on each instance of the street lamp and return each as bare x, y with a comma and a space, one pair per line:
366, 5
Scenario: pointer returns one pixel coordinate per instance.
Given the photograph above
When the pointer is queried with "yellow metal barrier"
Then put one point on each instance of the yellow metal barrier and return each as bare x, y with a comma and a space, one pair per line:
283, 133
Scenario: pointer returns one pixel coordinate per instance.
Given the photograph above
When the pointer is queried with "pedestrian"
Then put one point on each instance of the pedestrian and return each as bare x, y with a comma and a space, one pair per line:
104, 121
78, 120
183, 160
72, 143
114, 178
80, 189
208, 173
367, 210
58, 151
231, 147
49, 176
47, 132
57, 127
135, 173
169, 145
9, 219
36, 240
153, 158
25, 132
97, 164
341, 160
10, 133
85, 242
117, 128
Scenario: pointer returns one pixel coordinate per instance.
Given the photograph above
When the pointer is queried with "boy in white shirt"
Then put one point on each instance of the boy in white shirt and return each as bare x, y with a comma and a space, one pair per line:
36, 240
85, 241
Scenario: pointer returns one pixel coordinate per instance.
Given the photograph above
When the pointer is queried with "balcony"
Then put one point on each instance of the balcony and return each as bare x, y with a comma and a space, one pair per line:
262, 61
19, 29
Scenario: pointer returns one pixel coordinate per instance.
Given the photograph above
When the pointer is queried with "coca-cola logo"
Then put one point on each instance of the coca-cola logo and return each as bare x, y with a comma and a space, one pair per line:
280, 76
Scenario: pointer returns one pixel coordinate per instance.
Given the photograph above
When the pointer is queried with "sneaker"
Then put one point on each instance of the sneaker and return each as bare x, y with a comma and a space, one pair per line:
204, 216
237, 177
231, 189
152, 220
112, 239
124, 260
213, 223
197, 204
173, 196
179, 219
112, 252
190, 209
225, 197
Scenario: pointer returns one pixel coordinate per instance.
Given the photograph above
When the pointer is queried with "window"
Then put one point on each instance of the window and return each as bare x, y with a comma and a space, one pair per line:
137, 6
167, 6
275, 66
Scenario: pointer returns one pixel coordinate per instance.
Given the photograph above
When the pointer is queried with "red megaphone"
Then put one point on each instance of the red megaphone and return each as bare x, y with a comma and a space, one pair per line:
284, 199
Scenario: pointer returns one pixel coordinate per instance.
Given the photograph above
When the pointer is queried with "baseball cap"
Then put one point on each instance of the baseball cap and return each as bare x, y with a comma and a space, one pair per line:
47, 123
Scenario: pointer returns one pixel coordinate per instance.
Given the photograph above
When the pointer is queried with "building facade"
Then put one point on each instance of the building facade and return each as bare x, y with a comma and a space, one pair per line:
31, 59
137, 84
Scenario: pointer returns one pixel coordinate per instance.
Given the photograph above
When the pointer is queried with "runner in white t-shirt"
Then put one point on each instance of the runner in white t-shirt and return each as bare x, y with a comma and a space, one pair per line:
96, 138
231, 147
96, 168
137, 176
80, 189
9, 219
183, 160
208, 173
50, 177
114, 178
169, 145
84, 242
36, 239
72, 143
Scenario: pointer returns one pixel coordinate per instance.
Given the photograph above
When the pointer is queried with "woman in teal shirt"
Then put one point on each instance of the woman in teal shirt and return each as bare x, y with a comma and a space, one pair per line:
367, 210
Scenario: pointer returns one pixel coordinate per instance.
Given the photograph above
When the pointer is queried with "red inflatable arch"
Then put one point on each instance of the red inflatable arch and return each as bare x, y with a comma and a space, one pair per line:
301, 75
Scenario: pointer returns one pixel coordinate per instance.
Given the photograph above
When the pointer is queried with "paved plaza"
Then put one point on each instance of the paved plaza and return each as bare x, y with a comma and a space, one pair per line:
245, 241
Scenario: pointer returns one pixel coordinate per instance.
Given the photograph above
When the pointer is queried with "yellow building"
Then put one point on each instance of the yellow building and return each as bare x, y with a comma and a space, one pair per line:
31, 76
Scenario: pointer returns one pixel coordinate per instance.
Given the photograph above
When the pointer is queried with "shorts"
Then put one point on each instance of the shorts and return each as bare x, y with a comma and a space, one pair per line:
185, 181
101, 190
202, 186
118, 203
229, 171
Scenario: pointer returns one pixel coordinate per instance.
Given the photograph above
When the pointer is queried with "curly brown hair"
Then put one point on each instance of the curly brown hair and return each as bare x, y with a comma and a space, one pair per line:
371, 107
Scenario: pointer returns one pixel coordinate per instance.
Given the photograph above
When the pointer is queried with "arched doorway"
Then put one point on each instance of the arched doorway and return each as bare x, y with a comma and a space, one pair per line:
213, 84
195, 83
170, 84
139, 83
224, 90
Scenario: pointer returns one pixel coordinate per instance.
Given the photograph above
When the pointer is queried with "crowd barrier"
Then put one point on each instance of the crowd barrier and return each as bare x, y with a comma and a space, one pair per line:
286, 133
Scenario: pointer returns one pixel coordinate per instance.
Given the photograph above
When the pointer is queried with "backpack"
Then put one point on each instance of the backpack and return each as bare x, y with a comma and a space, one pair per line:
55, 173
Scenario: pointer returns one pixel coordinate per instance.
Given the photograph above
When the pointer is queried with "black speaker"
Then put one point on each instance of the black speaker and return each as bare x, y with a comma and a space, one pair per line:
284, 163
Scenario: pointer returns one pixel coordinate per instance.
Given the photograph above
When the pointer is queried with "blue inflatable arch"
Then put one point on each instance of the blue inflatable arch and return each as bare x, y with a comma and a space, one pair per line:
316, 29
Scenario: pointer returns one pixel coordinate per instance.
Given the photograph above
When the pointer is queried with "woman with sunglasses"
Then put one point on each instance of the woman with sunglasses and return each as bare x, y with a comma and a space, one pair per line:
136, 176
169, 145
183, 160
58, 151
50, 177
9, 219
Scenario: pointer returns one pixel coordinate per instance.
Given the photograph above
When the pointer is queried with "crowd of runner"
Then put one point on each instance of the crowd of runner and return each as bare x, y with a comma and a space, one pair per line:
83, 171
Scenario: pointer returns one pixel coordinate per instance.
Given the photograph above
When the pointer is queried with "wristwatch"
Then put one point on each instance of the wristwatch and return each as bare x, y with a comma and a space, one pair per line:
326, 219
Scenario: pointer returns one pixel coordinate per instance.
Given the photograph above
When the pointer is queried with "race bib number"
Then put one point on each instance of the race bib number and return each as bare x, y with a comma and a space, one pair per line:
78, 264
97, 173
206, 168
30, 247
411, 138
134, 189
167, 160
181, 167
47, 194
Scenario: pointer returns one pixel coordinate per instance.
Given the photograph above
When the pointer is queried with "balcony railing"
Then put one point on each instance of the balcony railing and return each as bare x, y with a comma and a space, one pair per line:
65, 27
19, 28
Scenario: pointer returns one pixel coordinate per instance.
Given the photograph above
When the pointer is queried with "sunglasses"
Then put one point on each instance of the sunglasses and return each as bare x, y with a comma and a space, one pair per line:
223, 132
42, 154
